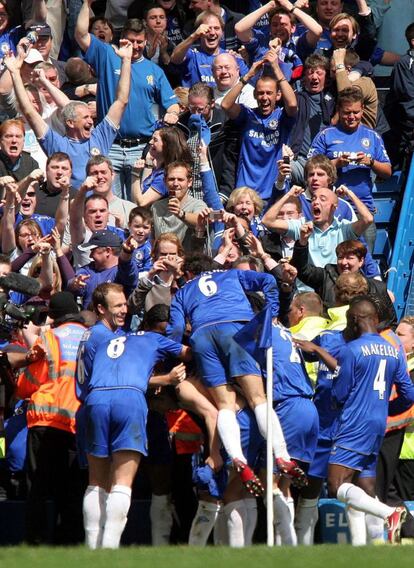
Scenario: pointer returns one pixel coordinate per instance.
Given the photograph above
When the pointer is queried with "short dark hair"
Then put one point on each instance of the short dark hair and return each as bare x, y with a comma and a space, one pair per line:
282, 12
101, 19
409, 33
365, 298
198, 263
5, 259
142, 212
350, 95
134, 25
93, 197
157, 314
58, 157
317, 60
352, 246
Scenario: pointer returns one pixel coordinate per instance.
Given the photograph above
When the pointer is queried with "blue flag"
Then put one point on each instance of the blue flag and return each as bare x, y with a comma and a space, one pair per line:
256, 336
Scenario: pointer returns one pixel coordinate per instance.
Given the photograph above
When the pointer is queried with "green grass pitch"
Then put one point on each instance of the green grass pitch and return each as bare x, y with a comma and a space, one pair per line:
326, 556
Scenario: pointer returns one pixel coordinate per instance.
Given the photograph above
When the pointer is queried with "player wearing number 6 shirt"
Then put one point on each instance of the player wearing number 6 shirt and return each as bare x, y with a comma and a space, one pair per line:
116, 413
368, 368
215, 303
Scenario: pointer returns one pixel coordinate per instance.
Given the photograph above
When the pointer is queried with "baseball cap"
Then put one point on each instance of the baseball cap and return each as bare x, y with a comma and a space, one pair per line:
102, 238
34, 56
41, 29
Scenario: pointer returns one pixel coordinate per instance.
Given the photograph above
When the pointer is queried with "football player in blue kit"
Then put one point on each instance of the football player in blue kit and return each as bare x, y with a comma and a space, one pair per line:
116, 413
292, 400
264, 129
110, 305
215, 304
368, 368
307, 509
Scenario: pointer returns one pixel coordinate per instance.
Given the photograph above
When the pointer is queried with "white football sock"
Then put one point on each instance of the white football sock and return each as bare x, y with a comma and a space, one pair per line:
278, 439
357, 498
117, 507
375, 528
251, 520
356, 525
229, 432
306, 517
221, 534
94, 503
161, 519
284, 518
236, 520
203, 522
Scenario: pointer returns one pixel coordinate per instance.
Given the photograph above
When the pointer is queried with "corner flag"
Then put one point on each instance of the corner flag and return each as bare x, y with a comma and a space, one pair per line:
256, 336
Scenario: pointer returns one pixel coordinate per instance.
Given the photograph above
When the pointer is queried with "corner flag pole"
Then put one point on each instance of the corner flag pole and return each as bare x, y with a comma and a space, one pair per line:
269, 449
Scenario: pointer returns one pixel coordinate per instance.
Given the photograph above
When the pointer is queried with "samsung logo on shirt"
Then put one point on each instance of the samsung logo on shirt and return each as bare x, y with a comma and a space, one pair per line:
267, 139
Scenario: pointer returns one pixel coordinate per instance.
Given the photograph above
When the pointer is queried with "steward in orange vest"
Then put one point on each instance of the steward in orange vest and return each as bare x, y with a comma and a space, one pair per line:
49, 385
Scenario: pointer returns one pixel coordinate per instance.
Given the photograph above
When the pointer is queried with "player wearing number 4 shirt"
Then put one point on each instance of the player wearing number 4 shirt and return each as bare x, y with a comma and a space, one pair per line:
368, 368
116, 413
215, 303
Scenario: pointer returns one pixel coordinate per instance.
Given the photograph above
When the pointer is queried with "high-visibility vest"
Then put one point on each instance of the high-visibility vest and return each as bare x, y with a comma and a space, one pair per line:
187, 434
405, 418
49, 384
308, 328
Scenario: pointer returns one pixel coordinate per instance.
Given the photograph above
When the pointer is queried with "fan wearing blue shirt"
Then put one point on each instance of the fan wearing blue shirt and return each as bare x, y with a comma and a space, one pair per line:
81, 140
282, 16
369, 367
355, 150
197, 63
264, 129
149, 87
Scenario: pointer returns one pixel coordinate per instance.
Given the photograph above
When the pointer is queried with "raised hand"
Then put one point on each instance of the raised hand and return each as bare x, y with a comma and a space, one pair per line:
124, 51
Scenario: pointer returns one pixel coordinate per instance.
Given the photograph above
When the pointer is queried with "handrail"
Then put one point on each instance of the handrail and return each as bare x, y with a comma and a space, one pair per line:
400, 276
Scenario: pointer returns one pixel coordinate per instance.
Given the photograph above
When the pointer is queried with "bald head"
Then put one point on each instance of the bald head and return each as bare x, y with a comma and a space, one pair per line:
324, 204
225, 71
362, 316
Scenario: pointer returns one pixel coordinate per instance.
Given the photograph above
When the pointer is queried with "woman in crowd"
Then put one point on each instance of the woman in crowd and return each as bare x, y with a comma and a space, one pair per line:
166, 145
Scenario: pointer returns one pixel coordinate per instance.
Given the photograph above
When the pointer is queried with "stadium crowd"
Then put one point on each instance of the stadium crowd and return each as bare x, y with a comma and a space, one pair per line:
171, 173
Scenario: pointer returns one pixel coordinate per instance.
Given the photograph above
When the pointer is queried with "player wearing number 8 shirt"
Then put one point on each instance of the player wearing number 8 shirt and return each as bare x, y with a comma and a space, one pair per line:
116, 413
368, 368
215, 303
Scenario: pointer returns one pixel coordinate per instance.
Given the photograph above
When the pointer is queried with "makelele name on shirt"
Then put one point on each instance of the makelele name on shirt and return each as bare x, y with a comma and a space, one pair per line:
379, 349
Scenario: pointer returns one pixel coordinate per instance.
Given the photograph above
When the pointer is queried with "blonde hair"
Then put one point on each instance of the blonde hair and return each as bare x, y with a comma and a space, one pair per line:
236, 195
36, 267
